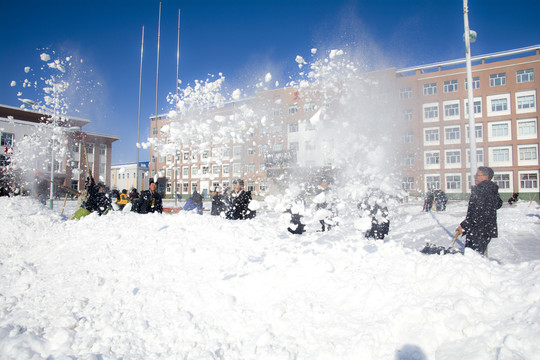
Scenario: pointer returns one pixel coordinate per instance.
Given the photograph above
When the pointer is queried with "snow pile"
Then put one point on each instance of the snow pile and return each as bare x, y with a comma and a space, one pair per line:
200, 287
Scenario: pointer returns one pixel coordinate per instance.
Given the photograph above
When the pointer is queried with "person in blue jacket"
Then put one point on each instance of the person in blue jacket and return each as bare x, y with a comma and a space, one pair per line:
194, 203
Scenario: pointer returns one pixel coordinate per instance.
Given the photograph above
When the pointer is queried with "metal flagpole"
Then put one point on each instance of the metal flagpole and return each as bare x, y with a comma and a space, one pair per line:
157, 82
177, 74
472, 130
139, 115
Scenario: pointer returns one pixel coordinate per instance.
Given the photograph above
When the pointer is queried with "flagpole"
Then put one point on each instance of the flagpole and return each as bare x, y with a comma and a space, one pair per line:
157, 82
139, 114
175, 190
472, 128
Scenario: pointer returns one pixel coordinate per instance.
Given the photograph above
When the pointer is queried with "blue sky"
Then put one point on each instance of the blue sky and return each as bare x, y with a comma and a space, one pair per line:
241, 39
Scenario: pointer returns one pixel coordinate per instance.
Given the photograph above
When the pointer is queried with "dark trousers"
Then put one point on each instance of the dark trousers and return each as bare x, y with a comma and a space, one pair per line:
478, 244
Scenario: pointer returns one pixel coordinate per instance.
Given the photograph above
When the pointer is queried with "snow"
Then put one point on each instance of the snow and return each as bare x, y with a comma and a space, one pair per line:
45, 57
200, 287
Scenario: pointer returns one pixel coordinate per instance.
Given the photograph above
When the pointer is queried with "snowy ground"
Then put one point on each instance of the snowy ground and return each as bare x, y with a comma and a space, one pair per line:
185, 286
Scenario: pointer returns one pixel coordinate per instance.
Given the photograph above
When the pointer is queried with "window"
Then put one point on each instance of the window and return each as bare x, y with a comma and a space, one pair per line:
102, 149
294, 145
450, 86
227, 152
185, 171
251, 150
169, 158
499, 105
4, 160
237, 151
527, 129
309, 106
293, 127
194, 170
226, 170
406, 115
407, 183
193, 187
205, 169
262, 149
433, 182
408, 138
432, 159
237, 170
453, 158
168, 173
251, 168
408, 160
499, 130
525, 75
185, 188
525, 101
477, 107
262, 166
479, 157
293, 109
497, 79
278, 147
89, 148
528, 154
277, 129
431, 135
451, 110
7, 139
503, 180
478, 130
475, 83
430, 89
500, 156
405, 93
215, 169
154, 131
74, 164
452, 135
277, 112
263, 186
251, 185
185, 155
431, 112
528, 181
75, 147
453, 183
205, 154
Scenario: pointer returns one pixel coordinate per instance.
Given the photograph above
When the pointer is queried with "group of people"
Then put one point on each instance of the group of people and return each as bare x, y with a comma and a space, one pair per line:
437, 197
479, 226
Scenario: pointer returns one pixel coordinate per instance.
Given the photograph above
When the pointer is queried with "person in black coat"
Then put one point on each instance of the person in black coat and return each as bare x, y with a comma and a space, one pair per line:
428, 201
375, 207
240, 200
480, 224
217, 201
149, 201
97, 200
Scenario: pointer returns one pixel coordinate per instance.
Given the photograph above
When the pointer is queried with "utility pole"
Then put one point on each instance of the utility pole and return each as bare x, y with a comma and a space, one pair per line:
468, 36
139, 114
175, 190
157, 82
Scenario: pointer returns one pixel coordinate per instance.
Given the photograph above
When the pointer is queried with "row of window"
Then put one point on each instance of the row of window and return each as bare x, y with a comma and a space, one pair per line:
184, 188
528, 182
216, 170
497, 131
498, 156
450, 86
90, 148
497, 105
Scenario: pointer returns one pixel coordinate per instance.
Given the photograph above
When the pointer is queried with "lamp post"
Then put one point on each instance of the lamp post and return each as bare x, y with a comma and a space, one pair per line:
470, 36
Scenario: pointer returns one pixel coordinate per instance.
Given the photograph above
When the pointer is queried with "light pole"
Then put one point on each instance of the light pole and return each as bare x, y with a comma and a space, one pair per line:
470, 36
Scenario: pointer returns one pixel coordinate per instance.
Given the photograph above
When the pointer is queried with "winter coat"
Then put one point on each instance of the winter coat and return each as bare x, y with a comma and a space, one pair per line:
481, 219
148, 202
240, 205
191, 205
217, 205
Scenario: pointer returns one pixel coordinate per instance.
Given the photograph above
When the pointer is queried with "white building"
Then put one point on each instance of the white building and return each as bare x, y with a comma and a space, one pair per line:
129, 176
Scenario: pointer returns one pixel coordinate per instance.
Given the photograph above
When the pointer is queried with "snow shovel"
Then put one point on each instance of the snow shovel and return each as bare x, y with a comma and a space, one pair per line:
432, 249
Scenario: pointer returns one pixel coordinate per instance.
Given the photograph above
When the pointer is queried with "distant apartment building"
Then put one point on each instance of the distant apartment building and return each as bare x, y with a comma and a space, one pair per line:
429, 104
70, 171
129, 176
434, 109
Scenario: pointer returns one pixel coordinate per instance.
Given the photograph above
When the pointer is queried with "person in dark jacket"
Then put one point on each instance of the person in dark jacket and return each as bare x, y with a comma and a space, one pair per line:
133, 195
194, 203
375, 207
149, 201
97, 200
217, 201
227, 203
240, 200
428, 201
513, 198
480, 224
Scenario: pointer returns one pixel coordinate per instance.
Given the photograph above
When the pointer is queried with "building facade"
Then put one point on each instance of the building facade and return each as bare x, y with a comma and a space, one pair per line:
87, 151
434, 109
129, 176
429, 103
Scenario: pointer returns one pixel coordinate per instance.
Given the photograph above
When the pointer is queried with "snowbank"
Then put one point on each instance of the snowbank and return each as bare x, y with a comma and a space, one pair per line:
199, 287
